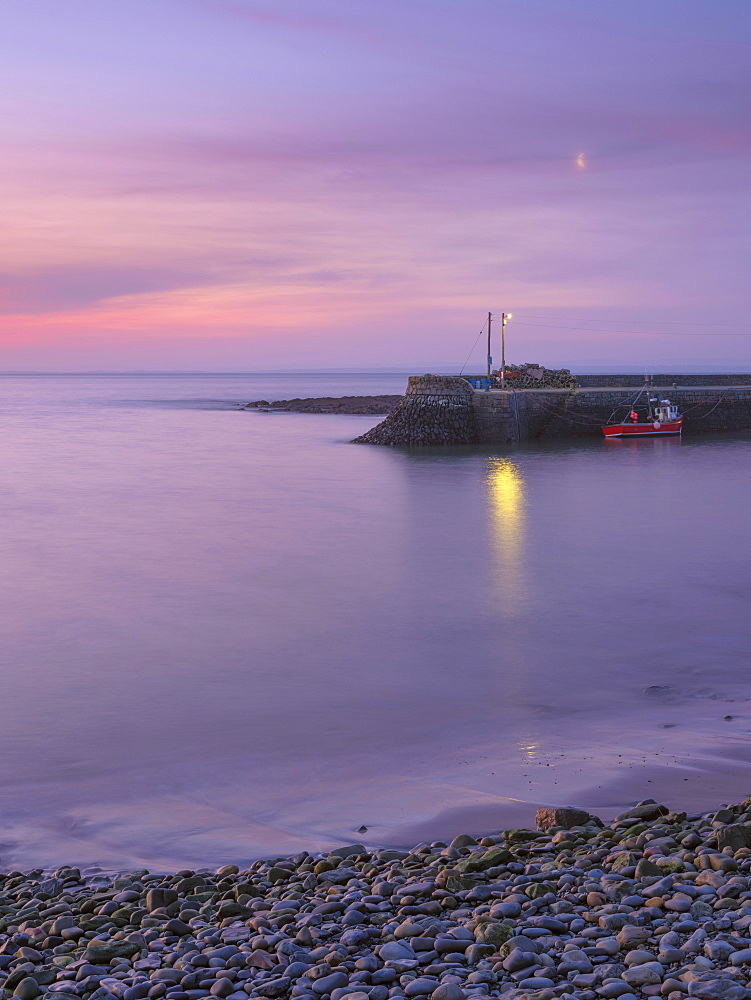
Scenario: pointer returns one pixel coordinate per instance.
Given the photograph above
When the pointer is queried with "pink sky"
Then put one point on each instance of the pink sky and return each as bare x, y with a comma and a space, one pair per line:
222, 184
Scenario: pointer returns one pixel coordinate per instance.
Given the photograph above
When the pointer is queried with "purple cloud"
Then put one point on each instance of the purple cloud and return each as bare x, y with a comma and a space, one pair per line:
71, 287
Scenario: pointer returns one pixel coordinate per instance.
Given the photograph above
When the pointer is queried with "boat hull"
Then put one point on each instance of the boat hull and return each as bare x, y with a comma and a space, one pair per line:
655, 429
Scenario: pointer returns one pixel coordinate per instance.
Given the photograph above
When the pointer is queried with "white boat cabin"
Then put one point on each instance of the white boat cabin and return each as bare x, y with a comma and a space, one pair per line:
666, 412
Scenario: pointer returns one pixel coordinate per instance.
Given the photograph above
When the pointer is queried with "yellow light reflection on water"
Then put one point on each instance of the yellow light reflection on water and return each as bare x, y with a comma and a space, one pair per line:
506, 491
507, 509
506, 487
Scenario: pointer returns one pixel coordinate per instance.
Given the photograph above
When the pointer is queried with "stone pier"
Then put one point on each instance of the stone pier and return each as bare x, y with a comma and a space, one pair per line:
442, 410
435, 410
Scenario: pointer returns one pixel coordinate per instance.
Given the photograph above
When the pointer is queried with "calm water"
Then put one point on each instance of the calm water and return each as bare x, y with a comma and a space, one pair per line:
229, 634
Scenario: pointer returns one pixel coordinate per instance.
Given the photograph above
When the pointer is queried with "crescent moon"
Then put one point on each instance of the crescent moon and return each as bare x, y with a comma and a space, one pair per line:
580, 161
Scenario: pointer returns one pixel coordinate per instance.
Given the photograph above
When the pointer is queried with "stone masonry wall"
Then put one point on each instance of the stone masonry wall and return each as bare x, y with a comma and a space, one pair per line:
501, 417
435, 410
506, 418
587, 381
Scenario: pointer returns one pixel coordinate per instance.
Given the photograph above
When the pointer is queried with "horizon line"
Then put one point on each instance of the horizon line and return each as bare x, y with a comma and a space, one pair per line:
584, 369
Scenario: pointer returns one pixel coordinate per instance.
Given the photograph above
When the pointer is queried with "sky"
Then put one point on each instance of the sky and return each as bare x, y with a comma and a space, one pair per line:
270, 184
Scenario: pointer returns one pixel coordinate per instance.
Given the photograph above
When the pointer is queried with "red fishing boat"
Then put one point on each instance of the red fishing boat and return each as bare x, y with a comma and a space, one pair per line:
662, 420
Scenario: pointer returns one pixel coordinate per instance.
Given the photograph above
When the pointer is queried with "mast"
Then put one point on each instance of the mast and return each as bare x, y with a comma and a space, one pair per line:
490, 360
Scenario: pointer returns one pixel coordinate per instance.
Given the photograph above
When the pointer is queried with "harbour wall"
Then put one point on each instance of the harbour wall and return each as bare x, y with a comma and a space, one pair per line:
443, 410
683, 380
510, 417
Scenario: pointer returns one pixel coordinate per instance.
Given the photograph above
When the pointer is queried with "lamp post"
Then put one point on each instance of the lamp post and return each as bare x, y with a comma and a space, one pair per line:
504, 318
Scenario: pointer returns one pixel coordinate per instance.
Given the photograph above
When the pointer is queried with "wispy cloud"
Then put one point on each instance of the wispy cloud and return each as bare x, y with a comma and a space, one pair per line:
296, 171
292, 17
70, 287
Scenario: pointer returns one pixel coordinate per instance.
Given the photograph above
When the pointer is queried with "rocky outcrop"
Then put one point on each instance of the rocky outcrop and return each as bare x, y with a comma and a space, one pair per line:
436, 410
329, 404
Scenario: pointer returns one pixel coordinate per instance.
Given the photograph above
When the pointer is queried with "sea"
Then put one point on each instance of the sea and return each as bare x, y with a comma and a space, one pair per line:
233, 634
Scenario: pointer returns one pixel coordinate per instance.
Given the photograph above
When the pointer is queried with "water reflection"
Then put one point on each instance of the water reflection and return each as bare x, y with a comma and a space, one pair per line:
662, 445
506, 491
528, 749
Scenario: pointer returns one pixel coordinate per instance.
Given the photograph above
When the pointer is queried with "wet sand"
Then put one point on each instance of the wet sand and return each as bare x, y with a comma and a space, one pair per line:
705, 781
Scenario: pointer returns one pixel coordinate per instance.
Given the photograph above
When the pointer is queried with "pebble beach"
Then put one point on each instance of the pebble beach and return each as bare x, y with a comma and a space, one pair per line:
657, 903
